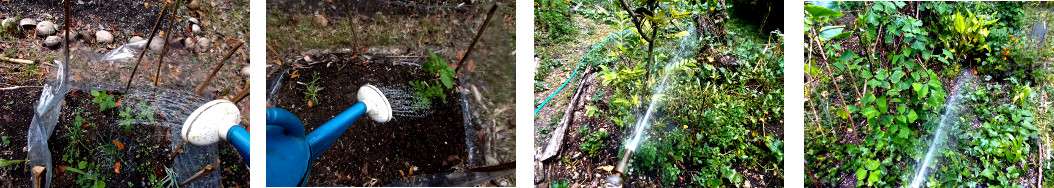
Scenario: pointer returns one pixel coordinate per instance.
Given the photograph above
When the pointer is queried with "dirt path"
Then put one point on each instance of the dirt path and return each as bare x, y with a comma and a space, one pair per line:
547, 118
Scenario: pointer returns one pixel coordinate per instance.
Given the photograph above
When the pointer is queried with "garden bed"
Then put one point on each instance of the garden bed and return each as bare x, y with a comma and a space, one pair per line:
371, 153
387, 44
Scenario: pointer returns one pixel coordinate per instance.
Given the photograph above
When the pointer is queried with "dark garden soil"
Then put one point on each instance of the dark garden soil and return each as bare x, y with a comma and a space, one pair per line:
16, 112
146, 147
370, 153
142, 151
383, 43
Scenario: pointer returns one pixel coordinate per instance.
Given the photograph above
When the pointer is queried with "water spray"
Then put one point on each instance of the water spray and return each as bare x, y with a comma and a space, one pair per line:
294, 151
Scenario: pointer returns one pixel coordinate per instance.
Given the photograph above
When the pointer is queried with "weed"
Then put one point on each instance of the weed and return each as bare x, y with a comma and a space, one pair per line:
311, 95
87, 179
540, 86
104, 100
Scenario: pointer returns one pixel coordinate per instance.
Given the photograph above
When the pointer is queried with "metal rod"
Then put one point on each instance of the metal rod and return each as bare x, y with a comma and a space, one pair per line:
217, 69
476, 39
146, 47
164, 48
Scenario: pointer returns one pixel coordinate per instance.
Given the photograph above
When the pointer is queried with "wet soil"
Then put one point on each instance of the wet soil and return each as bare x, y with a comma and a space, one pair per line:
16, 112
370, 153
384, 42
144, 153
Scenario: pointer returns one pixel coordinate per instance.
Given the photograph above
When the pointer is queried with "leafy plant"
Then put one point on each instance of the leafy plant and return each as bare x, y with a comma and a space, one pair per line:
427, 91
594, 142
104, 100
966, 33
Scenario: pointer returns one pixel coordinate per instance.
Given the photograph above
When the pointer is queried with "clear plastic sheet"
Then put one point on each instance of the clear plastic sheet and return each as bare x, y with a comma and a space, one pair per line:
123, 52
44, 119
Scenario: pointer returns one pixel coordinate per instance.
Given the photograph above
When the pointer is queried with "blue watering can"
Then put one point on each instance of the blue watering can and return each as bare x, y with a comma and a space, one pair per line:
291, 152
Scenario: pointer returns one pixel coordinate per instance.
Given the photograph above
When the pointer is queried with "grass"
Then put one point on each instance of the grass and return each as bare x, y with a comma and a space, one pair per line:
311, 94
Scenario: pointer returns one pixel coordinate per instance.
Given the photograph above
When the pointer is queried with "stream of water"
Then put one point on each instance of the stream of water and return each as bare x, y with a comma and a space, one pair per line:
950, 114
686, 46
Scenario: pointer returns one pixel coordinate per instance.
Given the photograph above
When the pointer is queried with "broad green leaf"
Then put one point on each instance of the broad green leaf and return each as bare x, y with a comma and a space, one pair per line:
866, 74
912, 116
867, 99
861, 173
882, 105
872, 164
870, 112
818, 11
447, 76
881, 74
895, 77
875, 177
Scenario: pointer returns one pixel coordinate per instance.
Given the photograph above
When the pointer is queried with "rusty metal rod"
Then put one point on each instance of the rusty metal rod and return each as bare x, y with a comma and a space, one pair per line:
145, 47
217, 69
164, 48
476, 39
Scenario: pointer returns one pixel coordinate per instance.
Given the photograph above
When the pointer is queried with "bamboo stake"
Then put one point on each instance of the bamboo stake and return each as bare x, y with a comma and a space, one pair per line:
147, 46
164, 48
217, 69
476, 39
13, 60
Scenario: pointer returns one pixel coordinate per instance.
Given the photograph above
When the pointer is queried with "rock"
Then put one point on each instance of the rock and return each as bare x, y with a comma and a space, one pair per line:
195, 28
104, 37
8, 22
46, 28
157, 43
27, 23
193, 20
204, 44
194, 5
189, 44
135, 39
52, 42
86, 36
246, 72
320, 21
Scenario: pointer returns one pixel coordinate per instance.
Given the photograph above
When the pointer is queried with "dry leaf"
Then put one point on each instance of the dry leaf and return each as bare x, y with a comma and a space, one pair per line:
606, 168
118, 144
117, 167
60, 169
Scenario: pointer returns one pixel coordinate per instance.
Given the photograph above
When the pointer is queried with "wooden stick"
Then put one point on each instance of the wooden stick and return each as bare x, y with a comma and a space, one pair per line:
178, 150
206, 169
13, 60
242, 95
164, 48
476, 39
556, 141
146, 47
217, 69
